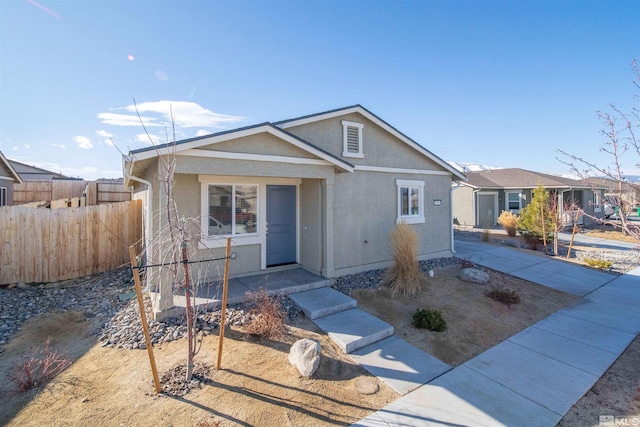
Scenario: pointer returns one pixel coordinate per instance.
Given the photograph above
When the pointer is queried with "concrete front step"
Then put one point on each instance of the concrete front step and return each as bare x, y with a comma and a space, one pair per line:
323, 302
354, 329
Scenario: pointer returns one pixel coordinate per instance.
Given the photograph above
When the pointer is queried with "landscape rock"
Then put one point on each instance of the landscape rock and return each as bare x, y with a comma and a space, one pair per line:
305, 355
474, 275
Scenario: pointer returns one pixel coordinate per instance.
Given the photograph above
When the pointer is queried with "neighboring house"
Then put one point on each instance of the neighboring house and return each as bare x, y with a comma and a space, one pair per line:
32, 173
8, 176
616, 190
480, 200
322, 191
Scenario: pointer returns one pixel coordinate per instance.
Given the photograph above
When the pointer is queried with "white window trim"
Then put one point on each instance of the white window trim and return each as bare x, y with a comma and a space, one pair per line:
410, 219
244, 239
345, 151
506, 201
597, 202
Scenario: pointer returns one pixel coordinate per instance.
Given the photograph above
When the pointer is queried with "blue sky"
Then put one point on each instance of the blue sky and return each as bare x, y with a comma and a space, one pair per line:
501, 83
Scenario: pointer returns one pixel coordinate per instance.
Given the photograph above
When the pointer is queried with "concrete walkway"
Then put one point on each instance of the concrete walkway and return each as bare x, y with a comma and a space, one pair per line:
597, 242
534, 377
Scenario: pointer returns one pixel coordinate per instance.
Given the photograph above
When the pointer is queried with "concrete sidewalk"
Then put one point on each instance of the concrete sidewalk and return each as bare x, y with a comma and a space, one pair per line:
534, 377
597, 242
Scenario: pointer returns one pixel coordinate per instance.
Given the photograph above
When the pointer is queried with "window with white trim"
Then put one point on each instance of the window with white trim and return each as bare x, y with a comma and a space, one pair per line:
3, 196
597, 201
233, 210
513, 201
410, 201
352, 139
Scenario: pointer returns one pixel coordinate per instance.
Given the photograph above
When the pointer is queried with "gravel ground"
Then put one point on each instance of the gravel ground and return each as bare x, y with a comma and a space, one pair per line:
99, 298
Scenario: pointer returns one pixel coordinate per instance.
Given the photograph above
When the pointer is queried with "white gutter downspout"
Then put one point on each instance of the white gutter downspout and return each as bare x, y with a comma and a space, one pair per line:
147, 216
453, 249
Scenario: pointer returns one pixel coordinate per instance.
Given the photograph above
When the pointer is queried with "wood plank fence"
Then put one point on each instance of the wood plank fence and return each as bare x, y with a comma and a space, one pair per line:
48, 245
68, 193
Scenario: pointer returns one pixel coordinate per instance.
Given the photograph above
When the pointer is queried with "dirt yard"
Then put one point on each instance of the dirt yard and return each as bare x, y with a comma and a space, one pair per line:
257, 386
474, 321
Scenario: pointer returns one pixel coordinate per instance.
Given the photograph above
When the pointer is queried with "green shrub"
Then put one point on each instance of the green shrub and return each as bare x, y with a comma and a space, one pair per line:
535, 221
429, 319
598, 263
509, 221
504, 295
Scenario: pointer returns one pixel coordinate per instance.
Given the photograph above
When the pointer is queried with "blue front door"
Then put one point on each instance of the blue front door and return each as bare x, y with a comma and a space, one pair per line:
281, 225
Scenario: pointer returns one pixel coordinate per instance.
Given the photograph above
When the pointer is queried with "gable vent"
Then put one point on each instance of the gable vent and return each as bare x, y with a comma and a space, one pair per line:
353, 141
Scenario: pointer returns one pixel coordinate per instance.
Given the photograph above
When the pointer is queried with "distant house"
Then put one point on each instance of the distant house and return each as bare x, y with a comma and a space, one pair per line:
617, 191
480, 200
321, 192
8, 176
32, 173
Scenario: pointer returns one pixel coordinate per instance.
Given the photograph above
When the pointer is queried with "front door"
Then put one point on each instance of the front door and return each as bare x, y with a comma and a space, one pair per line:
486, 210
281, 225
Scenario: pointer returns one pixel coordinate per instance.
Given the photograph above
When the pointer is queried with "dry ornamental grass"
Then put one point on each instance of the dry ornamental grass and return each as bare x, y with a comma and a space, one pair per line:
404, 275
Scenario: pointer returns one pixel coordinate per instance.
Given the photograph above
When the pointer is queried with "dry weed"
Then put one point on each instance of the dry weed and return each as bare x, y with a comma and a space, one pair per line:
267, 315
404, 275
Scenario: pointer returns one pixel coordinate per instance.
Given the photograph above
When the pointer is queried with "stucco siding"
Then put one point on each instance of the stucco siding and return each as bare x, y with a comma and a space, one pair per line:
311, 225
365, 213
463, 205
212, 166
263, 143
380, 148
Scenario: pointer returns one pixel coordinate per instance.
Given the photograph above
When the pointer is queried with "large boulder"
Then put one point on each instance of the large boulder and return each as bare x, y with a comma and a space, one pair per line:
305, 355
474, 275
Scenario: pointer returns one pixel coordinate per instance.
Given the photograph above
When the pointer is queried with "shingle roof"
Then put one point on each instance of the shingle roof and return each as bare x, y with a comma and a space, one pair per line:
519, 178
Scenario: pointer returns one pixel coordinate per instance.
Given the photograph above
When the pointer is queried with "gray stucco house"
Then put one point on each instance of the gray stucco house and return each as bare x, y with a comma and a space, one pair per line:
480, 200
8, 176
321, 192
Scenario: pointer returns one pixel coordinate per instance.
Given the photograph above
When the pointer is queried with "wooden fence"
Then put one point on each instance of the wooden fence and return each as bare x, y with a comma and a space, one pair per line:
68, 193
48, 245
37, 191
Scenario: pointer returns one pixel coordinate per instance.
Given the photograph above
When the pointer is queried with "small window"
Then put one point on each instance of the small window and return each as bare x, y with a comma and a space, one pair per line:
597, 202
352, 139
3, 196
410, 201
514, 201
232, 210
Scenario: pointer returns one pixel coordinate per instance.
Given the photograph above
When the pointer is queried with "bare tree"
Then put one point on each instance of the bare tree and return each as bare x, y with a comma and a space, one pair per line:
176, 242
620, 130
570, 210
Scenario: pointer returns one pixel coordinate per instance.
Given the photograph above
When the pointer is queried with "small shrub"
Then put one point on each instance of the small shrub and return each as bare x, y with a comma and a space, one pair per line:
504, 295
39, 368
404, 275
598, 263
466, 262
267, 316
486, 235
508, 221
429, 319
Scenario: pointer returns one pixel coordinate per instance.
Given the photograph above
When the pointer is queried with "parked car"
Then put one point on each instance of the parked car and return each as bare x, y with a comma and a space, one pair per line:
609, 210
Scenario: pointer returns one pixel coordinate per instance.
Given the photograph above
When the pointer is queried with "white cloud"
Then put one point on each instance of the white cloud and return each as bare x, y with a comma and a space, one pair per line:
116, 119
143, 137
83, 142
27, 146
202, 132
108, 137
162, 113
53, 144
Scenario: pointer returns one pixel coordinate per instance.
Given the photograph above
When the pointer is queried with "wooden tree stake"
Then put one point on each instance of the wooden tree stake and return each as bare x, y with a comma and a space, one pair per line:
143, 317
225, 288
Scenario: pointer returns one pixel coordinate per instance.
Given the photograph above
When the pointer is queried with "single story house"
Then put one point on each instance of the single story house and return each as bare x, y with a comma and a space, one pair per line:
480, 200
33, 173
321, 191
8, 176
